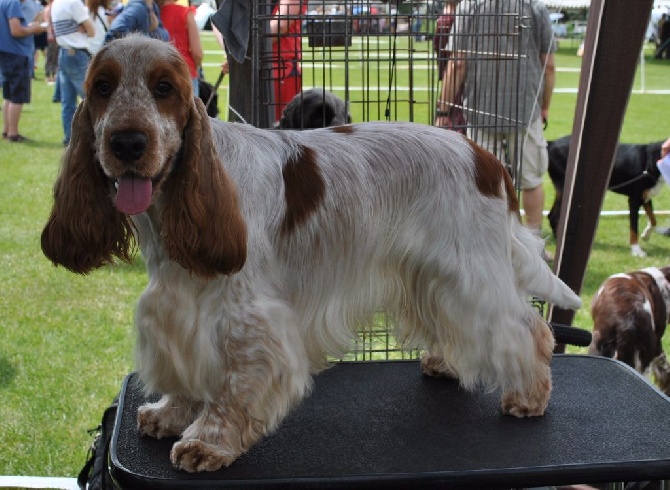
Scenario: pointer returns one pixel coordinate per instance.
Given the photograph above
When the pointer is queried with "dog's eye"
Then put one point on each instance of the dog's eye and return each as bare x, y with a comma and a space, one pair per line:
163, 89
103, 88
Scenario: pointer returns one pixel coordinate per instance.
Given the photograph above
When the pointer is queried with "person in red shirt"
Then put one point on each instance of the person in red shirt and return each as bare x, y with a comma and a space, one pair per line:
286, 32
179, 21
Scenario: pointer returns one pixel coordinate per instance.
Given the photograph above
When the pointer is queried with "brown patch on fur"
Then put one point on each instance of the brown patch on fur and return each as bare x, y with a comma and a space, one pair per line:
304, 188
490, 176
347, 129
534, 401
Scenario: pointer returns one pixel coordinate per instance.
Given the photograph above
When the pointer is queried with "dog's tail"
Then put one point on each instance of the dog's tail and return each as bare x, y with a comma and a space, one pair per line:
534, 275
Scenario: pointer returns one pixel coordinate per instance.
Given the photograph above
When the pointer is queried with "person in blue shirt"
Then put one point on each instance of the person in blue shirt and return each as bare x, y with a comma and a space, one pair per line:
141, 16
16, 54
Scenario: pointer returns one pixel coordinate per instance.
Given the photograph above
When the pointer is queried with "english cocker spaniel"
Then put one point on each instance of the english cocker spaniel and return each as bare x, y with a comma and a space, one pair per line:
266, 249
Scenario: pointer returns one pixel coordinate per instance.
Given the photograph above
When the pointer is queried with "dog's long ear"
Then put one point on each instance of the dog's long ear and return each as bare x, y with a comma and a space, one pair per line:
203, 227
84, 230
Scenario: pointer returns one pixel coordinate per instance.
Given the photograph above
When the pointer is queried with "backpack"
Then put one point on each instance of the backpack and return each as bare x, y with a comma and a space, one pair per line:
95, 473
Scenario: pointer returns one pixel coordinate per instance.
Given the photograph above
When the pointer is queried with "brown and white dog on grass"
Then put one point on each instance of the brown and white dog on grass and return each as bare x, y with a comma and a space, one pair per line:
630, 314
266, 250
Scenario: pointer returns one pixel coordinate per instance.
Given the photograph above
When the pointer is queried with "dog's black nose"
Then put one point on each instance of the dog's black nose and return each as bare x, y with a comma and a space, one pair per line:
128, 146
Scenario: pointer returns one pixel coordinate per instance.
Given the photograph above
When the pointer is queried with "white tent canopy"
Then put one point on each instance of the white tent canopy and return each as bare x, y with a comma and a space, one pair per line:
567, 4
572, 4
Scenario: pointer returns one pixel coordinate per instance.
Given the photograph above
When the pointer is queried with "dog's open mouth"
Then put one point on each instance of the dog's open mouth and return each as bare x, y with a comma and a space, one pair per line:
133, 194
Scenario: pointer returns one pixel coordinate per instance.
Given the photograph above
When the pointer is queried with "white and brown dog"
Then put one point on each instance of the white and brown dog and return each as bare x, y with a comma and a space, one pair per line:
267, 249
630, 314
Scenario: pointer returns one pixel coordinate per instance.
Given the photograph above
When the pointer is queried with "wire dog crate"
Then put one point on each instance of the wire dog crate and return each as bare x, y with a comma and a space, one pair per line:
386, 61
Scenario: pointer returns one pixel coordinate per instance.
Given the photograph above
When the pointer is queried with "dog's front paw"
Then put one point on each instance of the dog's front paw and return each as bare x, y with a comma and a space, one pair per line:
193, 455
152, 421
646, 233
637, 251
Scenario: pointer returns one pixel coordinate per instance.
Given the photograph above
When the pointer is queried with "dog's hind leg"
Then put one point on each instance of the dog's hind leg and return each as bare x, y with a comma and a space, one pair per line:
533, 399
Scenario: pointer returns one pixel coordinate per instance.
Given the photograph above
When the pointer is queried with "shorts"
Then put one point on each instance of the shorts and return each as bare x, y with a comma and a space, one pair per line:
16, 73
41, 41
534, 157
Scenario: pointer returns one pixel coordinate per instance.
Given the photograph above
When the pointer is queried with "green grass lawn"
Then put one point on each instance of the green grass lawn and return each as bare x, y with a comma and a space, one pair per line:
66, 341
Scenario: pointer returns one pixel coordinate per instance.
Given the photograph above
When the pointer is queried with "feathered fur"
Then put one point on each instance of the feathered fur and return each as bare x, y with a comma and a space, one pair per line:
266, 250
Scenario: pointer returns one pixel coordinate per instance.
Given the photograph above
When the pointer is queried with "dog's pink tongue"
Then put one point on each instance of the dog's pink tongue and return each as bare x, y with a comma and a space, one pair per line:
133, 194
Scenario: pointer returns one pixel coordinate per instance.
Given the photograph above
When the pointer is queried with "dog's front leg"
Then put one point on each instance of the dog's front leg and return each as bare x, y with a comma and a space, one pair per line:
216, 438
266, 374
651, 224
228, 428
168, 417
634, 205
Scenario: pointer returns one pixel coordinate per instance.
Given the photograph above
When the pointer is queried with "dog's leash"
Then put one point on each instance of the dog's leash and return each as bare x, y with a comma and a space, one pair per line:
215, 89
634, 179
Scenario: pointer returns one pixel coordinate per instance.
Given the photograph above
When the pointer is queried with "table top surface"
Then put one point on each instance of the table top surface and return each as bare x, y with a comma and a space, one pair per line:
384, 424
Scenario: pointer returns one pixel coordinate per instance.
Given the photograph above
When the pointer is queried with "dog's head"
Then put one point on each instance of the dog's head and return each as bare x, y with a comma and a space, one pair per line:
141, 139
314, 108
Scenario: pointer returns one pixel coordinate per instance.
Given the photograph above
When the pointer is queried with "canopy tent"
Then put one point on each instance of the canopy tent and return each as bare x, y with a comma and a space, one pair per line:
567, 4
578, 4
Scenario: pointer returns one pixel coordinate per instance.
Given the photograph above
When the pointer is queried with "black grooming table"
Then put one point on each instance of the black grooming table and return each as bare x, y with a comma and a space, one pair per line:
382, 424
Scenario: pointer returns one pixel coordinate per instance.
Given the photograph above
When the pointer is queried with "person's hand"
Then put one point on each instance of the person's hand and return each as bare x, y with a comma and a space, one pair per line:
225, 68
38, 27
665, 148
545, 117
444, 122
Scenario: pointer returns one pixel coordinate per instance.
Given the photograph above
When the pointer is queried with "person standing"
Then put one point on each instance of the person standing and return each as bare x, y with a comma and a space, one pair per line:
286, 32
142, 16
454, 118
51, 63
73, 28
179, 21
507, 70
33, 11
97, 10
16, 57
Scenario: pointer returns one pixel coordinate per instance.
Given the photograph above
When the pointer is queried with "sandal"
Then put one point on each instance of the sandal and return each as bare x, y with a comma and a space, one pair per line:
17, 138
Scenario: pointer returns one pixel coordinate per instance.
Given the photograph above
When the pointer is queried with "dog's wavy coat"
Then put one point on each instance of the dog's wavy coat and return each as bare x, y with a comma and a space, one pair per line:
265, 250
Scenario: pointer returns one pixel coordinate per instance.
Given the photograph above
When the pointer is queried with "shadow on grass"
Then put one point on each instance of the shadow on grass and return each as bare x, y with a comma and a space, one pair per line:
7, 372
